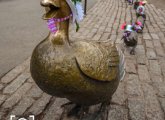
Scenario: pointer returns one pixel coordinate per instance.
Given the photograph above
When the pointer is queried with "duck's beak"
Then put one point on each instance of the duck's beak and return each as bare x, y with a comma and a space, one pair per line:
52, 7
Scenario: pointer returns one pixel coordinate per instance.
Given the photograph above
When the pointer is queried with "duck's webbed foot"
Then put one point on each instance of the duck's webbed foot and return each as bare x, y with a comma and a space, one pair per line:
78, 111
103, 112
132, 52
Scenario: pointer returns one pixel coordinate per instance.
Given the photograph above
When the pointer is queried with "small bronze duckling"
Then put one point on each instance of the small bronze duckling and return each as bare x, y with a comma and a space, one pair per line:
130, 37
86, 73
140, 12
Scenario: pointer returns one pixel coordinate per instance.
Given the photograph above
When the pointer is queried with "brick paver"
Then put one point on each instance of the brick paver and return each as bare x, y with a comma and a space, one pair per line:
140, 96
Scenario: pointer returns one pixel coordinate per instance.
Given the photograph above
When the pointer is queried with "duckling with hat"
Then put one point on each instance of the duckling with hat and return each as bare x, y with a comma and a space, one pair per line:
130, 37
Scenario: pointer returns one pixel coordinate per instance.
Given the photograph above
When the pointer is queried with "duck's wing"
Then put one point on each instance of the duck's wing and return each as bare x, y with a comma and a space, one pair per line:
99, 62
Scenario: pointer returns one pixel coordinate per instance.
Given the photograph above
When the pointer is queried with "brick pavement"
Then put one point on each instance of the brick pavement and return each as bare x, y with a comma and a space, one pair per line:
140, 96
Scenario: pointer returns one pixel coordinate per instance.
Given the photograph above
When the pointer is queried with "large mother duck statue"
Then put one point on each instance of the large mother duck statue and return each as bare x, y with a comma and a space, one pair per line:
86, 73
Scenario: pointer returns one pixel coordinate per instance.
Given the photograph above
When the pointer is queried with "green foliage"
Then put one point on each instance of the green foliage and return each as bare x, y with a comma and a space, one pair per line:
77, 26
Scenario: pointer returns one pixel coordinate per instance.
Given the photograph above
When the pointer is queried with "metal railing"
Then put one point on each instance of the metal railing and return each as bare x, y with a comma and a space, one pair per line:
85, 7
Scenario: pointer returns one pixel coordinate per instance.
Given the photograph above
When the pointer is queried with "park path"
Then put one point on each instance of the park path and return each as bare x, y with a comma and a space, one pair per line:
140, 96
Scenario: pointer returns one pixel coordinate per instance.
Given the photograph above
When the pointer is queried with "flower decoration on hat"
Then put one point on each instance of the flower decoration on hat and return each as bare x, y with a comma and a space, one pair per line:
140, 3
123, 26
138, 23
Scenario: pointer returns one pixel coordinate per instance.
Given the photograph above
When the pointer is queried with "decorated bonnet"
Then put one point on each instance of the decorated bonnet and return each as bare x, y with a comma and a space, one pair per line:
142, 2
77, 16
129, 28
77, 11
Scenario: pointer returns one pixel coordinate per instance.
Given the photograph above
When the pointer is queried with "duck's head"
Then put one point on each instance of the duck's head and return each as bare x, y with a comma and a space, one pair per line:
55, 9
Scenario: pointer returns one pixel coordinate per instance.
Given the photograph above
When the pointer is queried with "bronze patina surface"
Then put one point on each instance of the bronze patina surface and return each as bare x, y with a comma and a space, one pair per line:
86, 73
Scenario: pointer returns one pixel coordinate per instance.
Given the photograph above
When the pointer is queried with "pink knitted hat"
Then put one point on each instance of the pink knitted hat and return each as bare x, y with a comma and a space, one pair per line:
139, 23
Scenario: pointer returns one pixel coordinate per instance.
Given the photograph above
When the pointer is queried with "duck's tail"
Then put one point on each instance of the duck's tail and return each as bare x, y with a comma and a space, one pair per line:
121, 65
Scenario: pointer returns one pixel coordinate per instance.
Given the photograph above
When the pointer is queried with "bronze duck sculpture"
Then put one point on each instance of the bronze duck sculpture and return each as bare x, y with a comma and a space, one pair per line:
86, 73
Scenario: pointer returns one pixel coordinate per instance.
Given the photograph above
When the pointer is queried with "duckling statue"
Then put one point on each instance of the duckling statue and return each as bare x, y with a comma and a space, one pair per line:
138, 27
86, 73
130, 37
140, 12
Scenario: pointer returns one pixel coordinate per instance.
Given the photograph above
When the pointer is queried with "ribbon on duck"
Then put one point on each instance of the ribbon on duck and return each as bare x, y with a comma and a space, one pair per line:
52, 23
